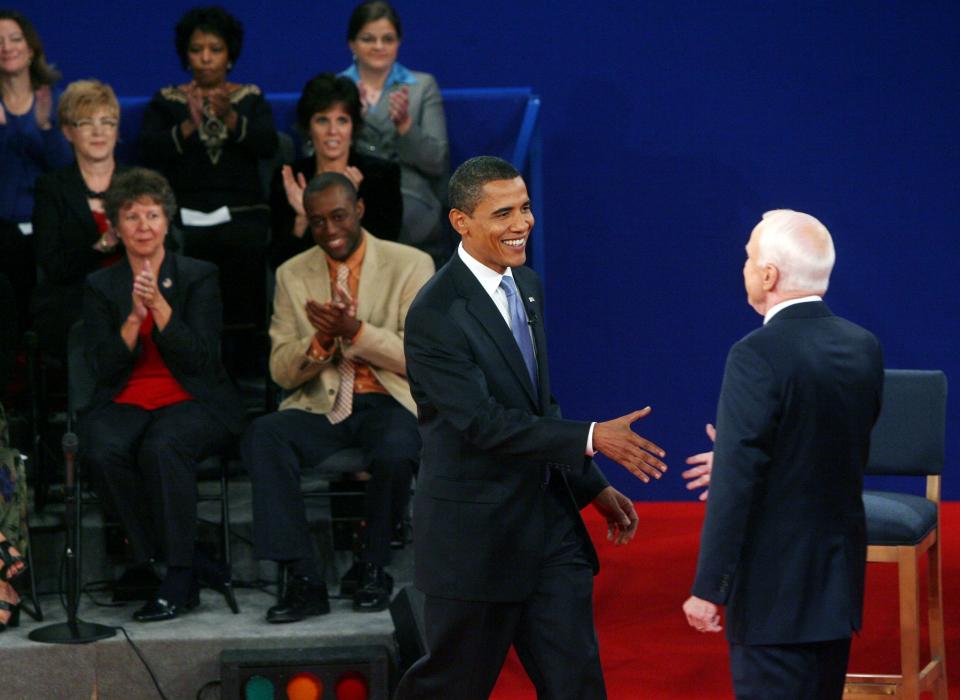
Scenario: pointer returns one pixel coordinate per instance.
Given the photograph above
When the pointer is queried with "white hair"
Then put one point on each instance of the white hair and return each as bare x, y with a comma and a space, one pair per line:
800, 247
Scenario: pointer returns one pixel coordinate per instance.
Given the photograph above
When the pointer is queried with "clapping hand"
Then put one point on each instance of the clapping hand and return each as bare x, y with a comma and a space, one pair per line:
354, 175
699, 474
332, 319
400, 109
616, 439
146, 292
294, 185
43, 106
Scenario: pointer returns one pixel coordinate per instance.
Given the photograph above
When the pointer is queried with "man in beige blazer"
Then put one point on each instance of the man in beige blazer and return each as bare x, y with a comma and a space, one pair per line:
337, 349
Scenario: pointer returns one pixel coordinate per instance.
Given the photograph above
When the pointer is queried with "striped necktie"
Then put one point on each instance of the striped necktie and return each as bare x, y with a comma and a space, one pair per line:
521, 331
343, 405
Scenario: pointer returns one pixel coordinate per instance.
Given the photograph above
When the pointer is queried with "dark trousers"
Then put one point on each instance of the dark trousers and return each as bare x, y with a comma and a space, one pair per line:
147, 462
812, 671
552, 630
238, 249
277, 446
18, 263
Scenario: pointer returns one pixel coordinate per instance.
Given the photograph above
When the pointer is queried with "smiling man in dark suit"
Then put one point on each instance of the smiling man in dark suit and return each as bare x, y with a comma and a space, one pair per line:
784, 541
501, 552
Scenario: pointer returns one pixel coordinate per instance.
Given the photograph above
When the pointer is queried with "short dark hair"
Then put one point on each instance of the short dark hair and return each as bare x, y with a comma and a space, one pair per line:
138, 183
322, 92
324, 181
213, 20
371, 11
41, 72
466, 184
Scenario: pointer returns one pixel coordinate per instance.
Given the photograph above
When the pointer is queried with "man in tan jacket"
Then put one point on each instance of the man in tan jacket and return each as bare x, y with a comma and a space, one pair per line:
337, 348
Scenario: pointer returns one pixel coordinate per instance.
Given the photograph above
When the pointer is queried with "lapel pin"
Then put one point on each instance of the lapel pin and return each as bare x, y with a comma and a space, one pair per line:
167, 283
531, 299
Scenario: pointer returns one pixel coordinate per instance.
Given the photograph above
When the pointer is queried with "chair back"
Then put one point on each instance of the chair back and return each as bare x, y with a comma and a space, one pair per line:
908, 438
81, 380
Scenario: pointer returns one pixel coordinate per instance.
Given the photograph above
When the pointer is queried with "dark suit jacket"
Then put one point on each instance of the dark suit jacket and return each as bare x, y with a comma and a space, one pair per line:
189, 345
486, 441
784, 541
65, 232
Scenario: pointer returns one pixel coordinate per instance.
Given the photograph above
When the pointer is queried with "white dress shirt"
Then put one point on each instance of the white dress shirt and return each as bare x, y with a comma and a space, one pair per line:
777, 308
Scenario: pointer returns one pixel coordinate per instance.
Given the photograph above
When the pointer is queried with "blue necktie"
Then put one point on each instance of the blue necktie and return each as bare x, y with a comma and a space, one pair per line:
521, 333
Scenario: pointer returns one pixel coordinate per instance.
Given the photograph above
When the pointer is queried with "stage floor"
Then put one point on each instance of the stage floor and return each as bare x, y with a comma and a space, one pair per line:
183, 653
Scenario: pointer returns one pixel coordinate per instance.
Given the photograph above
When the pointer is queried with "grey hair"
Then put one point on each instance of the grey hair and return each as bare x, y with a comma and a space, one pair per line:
800, 247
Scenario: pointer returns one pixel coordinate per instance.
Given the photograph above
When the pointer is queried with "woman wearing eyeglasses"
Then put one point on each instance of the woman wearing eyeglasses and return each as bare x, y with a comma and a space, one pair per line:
30, 144
73, 236
403, 121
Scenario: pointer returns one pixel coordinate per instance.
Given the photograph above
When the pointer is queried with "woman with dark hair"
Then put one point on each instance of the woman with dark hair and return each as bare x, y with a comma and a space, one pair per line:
403, 122
30, 144
162, 401
208, 136
329, 113
73, 236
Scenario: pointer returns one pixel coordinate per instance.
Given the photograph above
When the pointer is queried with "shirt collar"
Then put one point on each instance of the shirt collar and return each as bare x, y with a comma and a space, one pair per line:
399, 75
777, 308
488, 279
353, 262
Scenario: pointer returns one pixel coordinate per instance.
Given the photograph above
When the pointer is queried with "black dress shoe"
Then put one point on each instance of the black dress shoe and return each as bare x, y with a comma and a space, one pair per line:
302, 599
160, 609
374, 590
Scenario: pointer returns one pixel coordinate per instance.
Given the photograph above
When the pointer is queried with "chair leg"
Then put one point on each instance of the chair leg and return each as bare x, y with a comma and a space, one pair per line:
938, 650
908, 567
225, 515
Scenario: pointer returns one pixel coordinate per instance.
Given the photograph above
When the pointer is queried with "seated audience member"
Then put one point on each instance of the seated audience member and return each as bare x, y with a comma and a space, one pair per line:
30, 144
207, 136
71, 229
162, 400
337, 335
13, 526
403, 122
329, 112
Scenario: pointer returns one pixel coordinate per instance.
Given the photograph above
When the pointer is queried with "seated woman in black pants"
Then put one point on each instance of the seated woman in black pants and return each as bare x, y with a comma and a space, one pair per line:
162, 401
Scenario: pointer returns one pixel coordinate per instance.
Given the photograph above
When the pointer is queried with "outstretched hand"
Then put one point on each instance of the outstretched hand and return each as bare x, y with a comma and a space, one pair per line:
617, 440
619, 513
699, 474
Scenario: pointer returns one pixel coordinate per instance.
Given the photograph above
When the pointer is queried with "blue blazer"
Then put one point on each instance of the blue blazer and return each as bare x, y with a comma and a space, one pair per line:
784, 540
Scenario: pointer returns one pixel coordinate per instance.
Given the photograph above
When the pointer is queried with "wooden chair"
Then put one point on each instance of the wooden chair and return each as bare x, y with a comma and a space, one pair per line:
908, 440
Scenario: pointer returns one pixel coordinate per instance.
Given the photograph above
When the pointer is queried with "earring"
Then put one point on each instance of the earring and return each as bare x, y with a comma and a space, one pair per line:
229, 65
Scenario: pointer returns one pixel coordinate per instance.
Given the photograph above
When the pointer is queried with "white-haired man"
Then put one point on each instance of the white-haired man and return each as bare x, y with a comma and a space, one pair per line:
783, 545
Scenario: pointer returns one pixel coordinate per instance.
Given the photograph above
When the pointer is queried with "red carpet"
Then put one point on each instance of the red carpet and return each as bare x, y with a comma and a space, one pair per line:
648, 651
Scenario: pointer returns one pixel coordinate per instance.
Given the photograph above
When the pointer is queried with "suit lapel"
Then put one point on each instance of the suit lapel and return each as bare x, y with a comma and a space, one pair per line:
76, 197
369, 277
532, 306
317, 283
482, 308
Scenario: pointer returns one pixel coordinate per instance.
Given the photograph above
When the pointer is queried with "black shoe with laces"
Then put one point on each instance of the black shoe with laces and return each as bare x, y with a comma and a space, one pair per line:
301, 599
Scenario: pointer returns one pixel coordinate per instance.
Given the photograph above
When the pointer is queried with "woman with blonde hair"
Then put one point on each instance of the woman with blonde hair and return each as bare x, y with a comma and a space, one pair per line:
73, 235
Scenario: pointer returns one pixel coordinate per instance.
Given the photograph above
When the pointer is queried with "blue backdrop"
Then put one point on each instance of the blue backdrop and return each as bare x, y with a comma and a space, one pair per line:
668, 129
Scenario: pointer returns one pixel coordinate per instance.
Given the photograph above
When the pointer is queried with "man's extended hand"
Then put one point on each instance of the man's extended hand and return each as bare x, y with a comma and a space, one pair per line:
616, 440
700, 473
702, 615
620, 514
332, 319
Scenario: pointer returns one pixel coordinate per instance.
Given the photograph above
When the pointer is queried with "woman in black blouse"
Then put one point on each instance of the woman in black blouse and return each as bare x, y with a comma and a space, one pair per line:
329, 112
208, 136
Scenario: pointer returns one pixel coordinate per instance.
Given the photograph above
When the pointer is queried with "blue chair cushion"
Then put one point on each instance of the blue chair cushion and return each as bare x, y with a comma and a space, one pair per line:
898, 519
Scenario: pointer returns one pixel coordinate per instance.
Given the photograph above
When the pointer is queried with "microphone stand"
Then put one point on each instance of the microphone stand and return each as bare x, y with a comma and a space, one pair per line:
74, 630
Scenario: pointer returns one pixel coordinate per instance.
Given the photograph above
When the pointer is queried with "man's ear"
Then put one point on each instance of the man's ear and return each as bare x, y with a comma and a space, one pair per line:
771, 275
360, 208
458, 219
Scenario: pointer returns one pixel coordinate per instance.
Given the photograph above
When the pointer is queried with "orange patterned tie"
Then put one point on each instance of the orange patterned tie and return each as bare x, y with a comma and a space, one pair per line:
343, 406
